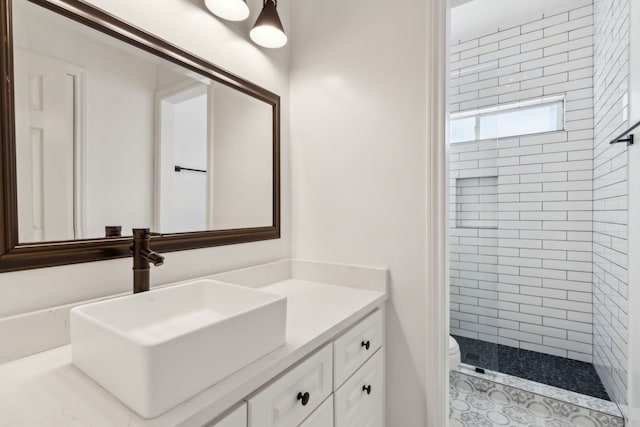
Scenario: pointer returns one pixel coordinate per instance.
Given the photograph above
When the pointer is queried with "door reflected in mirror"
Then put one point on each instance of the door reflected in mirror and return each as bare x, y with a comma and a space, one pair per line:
108, 134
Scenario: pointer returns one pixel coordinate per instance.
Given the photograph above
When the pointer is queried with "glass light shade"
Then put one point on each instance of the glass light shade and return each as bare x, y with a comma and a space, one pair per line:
231, 10
268, 31
268, 37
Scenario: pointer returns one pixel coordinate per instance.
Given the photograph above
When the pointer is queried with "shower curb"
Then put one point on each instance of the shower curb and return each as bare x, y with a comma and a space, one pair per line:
568, 402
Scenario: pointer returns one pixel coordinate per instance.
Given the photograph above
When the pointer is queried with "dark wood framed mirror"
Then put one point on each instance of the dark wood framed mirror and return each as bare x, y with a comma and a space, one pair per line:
75, 238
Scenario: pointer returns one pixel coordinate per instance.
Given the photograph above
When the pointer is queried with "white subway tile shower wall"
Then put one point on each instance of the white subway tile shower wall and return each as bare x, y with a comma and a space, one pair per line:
528, 283
476, 202
610, 304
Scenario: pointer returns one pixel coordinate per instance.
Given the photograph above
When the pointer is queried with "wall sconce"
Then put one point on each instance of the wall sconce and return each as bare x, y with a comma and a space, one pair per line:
268, 31
231, 10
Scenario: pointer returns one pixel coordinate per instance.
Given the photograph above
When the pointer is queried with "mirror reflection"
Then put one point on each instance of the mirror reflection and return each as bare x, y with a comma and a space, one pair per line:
110, 135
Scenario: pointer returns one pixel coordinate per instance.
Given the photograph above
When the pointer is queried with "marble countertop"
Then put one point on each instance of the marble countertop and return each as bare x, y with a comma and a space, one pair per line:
45, 389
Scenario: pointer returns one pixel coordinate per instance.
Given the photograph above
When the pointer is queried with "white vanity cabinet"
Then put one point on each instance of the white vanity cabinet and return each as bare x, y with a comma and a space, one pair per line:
291, 398
360, 400
329, 373
341, 384
236, 418
321, 417
355, 346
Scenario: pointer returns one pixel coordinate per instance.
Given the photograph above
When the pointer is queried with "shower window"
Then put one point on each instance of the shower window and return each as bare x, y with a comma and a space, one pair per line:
522, 118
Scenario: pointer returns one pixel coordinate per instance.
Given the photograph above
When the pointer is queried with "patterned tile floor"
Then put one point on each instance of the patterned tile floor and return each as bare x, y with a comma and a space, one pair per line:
476, 402
557, 371
562, 395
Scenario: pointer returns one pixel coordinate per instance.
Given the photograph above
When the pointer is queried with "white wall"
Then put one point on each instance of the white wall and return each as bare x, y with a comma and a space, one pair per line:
112, 196
242, 153
358, 83
189, 25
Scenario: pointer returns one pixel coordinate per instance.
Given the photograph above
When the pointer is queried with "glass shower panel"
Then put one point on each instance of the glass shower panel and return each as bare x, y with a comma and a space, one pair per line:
539, 195
545, 151
473, 202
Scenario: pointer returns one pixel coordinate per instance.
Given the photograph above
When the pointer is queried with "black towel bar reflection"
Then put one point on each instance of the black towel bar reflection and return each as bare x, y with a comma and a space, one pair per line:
182, 168
629, 140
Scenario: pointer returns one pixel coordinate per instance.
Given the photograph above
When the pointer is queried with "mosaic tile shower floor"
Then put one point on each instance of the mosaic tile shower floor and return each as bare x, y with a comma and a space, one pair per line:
567, 374
476, 402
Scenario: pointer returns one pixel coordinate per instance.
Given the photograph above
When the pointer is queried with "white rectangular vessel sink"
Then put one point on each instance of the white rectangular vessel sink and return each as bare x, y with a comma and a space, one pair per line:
156, 349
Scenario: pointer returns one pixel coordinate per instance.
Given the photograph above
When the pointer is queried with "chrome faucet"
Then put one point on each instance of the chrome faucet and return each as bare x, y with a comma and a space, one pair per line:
142, 256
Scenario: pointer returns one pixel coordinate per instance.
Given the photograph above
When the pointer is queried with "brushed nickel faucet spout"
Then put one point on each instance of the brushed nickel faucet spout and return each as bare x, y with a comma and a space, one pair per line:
142, 257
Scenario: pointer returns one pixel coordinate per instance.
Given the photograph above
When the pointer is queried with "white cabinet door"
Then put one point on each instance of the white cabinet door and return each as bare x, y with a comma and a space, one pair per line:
321, 417
237, 418
291, 398
357, 345
360, 401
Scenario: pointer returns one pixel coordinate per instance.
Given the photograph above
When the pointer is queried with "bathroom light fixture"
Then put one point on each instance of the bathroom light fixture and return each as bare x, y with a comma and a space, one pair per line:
231, 10
268, 31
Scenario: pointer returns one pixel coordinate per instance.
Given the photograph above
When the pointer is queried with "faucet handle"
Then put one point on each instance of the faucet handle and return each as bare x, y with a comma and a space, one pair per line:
113, 231
141, 233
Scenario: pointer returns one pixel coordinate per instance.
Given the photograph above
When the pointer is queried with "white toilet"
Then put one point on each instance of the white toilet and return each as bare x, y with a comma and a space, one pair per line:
454, 353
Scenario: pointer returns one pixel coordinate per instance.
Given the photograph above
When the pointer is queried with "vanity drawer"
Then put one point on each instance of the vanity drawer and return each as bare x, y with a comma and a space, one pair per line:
291, 398
353, 348
237, 418
360, 401
321, 417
